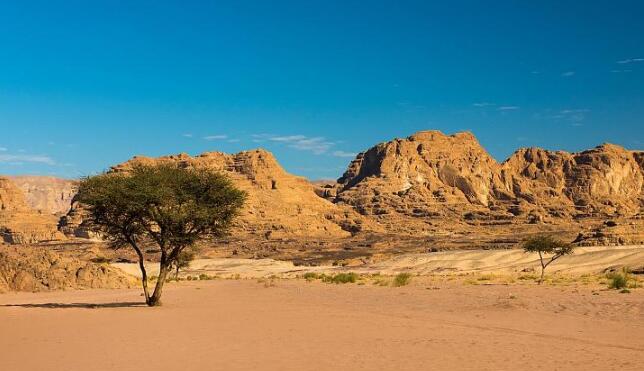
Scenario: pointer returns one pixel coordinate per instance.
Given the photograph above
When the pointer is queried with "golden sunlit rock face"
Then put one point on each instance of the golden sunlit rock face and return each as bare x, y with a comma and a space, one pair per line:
47, 194
425, 184
431, 175
279, 205
19, 223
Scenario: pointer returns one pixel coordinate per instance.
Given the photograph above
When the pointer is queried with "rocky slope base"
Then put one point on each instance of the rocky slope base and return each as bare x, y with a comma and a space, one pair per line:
40, 269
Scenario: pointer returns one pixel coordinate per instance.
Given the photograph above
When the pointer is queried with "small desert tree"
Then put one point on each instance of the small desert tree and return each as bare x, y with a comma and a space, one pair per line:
165, 205
183, 261
547, 245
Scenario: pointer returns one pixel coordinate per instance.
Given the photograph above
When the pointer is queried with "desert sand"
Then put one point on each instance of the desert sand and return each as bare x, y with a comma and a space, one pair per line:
299, 325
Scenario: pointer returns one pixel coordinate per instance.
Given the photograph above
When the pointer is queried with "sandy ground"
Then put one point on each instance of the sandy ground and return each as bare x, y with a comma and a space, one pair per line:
299, 325
584, 260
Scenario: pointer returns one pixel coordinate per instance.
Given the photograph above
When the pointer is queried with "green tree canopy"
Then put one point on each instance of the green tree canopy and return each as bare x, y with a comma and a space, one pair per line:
163, 204
547, 245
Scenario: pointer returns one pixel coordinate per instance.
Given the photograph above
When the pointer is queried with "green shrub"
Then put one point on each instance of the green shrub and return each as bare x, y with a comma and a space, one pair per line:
402, 279
340, 278
310, 276
618, 280
486, 277
325, 278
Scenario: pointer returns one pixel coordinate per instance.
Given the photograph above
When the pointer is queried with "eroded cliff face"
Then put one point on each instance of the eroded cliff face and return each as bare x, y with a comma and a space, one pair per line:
19, 223
279, 205
606, 181
47, 194
431, 178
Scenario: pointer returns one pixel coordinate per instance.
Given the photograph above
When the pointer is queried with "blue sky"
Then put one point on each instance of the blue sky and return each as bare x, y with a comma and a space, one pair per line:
84, 85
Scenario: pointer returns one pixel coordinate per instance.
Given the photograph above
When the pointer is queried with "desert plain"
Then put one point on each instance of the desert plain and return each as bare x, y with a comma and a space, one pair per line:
479, 312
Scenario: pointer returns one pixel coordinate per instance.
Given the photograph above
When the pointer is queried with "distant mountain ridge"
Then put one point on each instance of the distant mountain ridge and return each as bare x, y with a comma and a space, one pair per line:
415, 186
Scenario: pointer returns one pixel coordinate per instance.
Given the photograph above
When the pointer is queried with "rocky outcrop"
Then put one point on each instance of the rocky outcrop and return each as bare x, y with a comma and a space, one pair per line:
46, 194
19, 224
431, 177
606, 181
427, 185
40, 269
279, 205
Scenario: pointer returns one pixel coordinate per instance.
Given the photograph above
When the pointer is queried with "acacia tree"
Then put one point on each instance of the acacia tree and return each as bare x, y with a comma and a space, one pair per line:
165, 205
543, 245
183, 261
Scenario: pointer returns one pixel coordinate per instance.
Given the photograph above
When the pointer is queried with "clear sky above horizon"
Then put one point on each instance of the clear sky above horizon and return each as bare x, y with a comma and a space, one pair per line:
85, 85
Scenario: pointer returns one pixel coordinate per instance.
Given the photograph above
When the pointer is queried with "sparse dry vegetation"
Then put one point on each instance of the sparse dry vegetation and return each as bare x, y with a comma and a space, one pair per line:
402, 279
622, 281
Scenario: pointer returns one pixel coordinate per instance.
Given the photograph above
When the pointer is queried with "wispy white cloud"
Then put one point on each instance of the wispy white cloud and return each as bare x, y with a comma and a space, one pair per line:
3, 149
568, 74
483, 104
575, 116
317, 145
187, 135
216, 137
509, 108
39, 159
621, 71
287, 139
573, 111
344, 154
630, 60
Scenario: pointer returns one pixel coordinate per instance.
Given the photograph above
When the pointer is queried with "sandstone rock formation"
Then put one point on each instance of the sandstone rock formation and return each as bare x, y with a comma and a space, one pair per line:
431, 177
40, 269
279, 205
19, 223
428, 186
606, 180
47, 194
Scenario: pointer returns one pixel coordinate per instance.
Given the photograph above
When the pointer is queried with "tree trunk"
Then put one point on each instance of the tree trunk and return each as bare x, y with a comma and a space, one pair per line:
144, 274
543, 268
155, 300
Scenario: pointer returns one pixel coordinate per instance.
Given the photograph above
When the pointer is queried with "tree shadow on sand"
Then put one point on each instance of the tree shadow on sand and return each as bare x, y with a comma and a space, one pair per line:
78, 305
